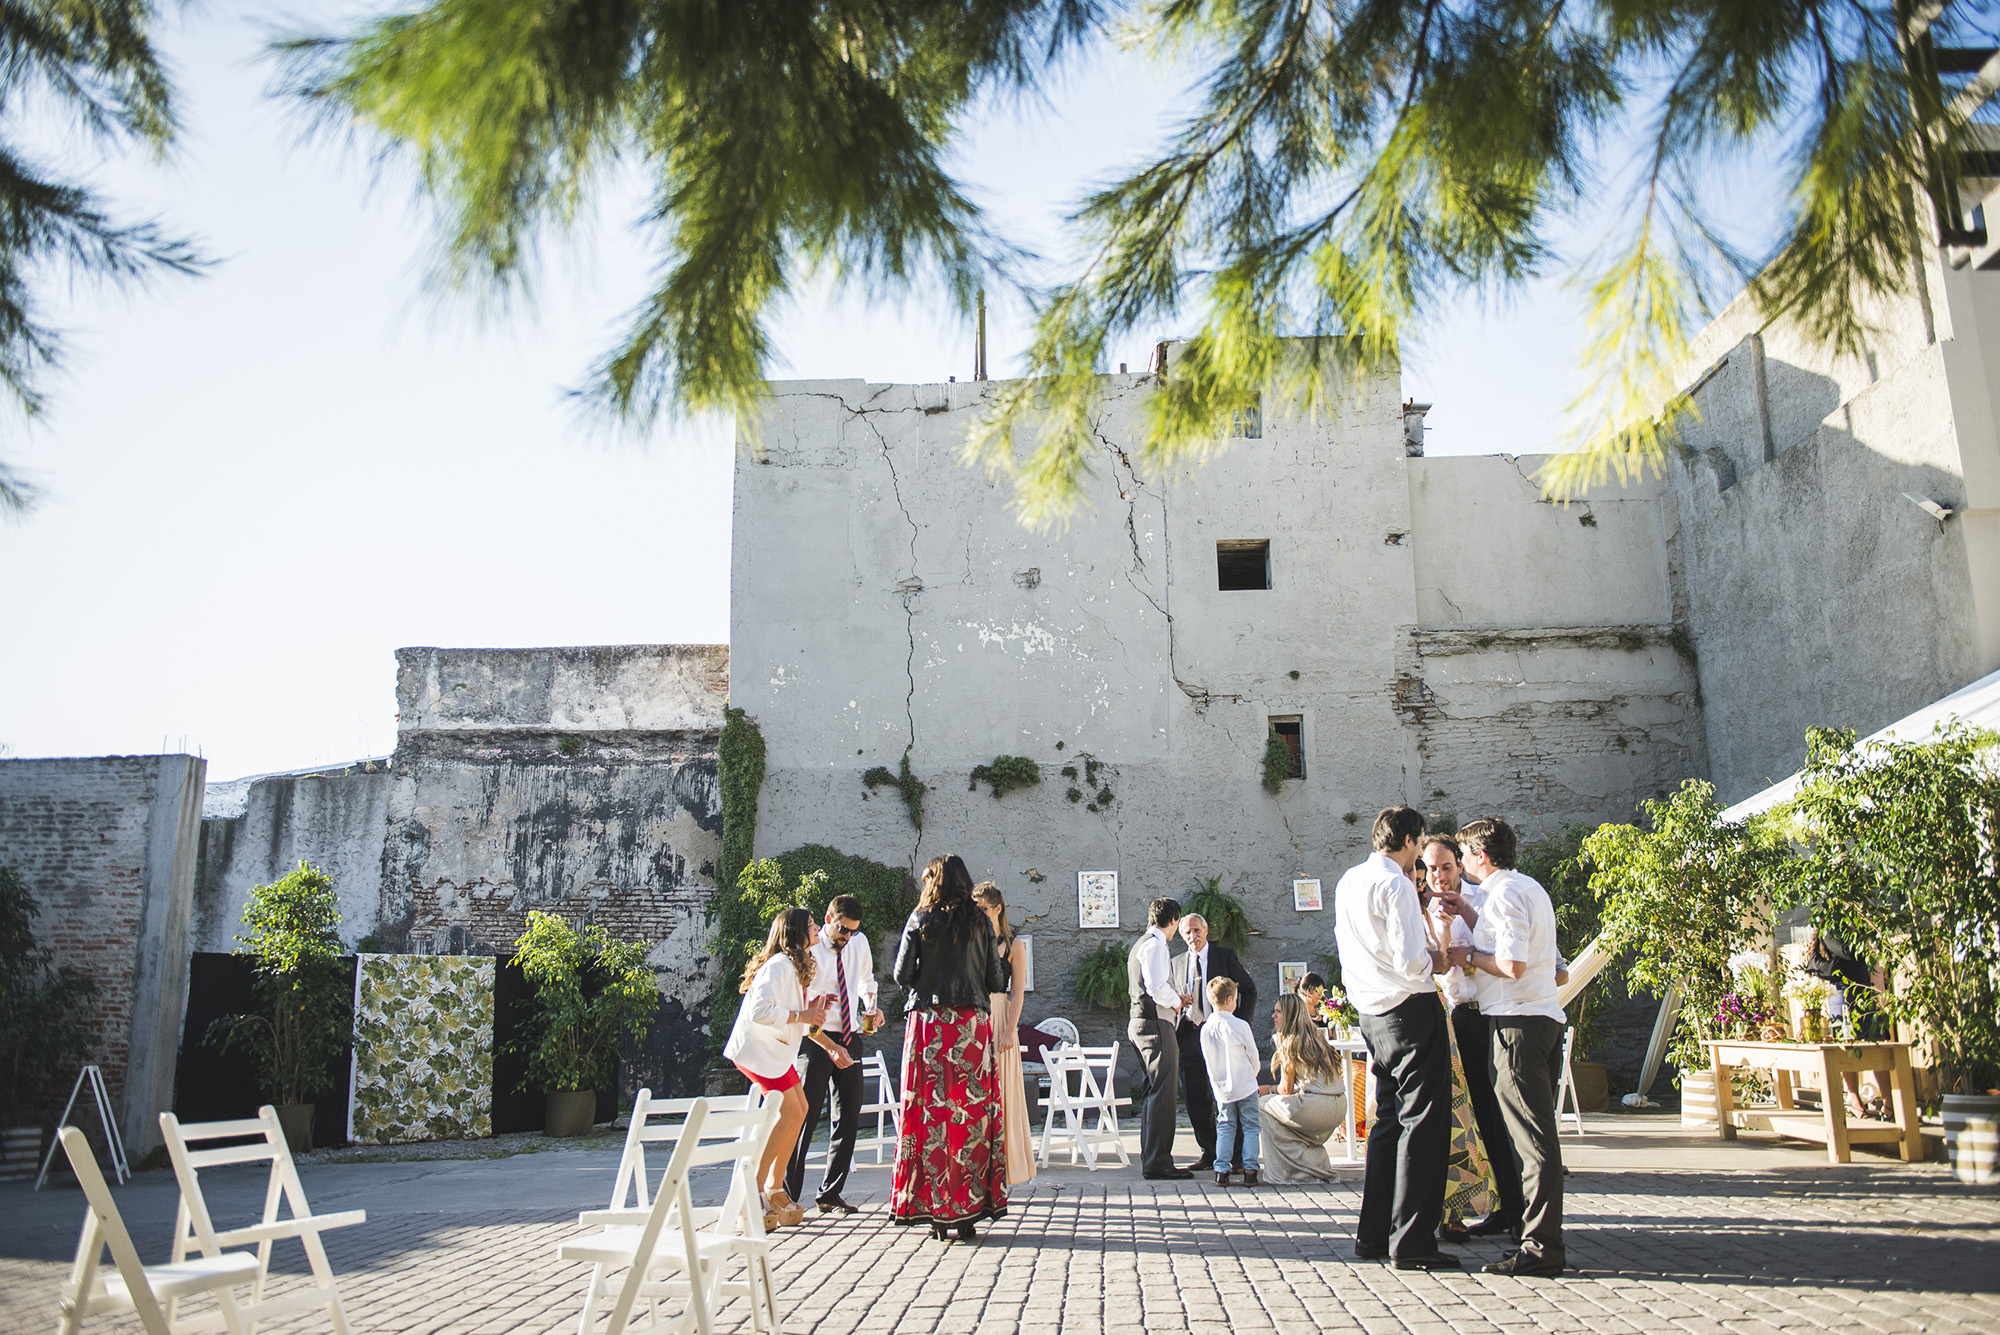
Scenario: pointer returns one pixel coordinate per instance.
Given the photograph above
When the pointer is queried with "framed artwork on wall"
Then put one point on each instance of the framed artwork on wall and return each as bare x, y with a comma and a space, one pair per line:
1290, 975
1305, 896
1028, 950
1097, 899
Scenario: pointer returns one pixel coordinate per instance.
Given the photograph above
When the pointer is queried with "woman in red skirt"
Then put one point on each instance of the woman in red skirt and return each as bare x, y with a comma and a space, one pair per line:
951, 1153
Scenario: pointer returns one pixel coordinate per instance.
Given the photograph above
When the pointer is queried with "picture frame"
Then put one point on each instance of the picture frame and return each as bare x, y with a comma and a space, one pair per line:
1028, 951
1306, 896
1097, 899
1290, 974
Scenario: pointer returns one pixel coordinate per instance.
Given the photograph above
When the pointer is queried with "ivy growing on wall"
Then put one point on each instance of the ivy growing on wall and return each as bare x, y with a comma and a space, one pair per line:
740, 772
1278, 762
1006, 773
905, 783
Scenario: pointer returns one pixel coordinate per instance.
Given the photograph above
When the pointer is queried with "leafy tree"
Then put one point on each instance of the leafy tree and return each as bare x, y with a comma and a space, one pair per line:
1563, 869
1899, 861
89, 64
45, 1008
590, 992
1682, 893
1348, 164
304, 1019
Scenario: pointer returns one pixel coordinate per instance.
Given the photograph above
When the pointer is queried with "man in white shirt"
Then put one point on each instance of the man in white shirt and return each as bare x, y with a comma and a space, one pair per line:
1156, 1009
844, 978
1458, 903
1514, 949
1386, 964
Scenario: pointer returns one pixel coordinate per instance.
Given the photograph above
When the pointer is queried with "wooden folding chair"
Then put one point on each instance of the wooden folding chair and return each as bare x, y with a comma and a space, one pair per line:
195, 1228
885, 1108
671, 1255
1566, 1090
630, 1198
151, 1291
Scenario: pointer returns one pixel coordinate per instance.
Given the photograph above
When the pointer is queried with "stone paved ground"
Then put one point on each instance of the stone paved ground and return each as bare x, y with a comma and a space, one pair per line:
1667, 1232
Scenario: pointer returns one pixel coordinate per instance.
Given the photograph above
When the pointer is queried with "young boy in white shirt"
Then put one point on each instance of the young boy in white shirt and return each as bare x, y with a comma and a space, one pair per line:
1230, 1050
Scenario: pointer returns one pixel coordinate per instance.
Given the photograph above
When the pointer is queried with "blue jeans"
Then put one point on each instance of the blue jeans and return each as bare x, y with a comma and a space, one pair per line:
1236, 1135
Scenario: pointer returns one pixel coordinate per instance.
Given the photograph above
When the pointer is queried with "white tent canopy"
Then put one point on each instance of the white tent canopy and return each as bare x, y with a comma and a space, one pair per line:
1977, 704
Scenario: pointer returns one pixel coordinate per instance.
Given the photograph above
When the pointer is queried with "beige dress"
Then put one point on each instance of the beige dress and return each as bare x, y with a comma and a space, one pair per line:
1013, 1089
1296, 1128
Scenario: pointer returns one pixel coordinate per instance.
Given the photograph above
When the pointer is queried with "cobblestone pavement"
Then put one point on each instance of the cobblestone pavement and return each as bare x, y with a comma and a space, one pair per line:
1666, 1232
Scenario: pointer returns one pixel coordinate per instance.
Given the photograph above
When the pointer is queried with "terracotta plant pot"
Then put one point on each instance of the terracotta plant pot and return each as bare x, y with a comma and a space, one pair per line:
570, 1112
1972, 1137
297, 1119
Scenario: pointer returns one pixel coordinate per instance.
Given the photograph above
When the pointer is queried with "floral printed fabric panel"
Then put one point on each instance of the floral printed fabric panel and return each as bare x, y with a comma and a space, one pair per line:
423, 1048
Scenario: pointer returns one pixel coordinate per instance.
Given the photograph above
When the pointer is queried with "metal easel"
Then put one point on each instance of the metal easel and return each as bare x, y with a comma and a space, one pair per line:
91, 1074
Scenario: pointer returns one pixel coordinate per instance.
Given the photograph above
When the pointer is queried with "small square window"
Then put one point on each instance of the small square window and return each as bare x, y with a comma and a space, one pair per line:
1248, 423
1243, 564
1291, 731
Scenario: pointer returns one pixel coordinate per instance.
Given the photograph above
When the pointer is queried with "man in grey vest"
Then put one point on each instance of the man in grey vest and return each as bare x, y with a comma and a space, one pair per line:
1156, 1009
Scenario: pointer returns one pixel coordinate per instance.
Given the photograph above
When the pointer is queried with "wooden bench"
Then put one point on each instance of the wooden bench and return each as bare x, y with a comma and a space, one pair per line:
1830, 1125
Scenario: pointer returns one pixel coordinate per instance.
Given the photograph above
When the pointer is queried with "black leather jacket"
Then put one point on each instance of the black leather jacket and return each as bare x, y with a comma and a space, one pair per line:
939, 971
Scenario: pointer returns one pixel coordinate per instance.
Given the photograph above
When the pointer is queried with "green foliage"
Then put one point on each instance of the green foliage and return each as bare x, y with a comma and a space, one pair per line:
1101, 976
591, 992
911, 788
1006, 773
740, 774
1223, 912
46, 1018
304, 1019
1899, 860
1279, 764
1682, 893
570, 746
816, 874
1558, 862
86, 67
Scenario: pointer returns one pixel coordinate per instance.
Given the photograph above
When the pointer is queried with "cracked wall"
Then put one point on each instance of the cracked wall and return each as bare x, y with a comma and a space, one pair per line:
884, 598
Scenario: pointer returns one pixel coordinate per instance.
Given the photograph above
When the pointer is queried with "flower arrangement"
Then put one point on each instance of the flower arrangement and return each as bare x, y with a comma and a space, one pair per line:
1741, 1014
1335, 1008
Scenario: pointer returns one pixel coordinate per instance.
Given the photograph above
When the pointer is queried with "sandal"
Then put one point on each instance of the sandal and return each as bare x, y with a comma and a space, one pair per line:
788, 1212
772, 1223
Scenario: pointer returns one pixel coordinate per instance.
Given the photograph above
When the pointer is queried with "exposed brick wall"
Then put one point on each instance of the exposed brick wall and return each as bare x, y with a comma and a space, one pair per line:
107, 847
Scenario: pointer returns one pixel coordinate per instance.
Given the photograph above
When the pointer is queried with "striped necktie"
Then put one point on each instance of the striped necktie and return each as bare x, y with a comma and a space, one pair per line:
840, 976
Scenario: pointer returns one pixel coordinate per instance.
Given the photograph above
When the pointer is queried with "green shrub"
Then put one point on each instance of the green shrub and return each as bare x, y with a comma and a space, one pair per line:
305, 1015
574, 1031
45, 1009
1101, 976
1006, 773
1223, 912
1559, 863
1278, 762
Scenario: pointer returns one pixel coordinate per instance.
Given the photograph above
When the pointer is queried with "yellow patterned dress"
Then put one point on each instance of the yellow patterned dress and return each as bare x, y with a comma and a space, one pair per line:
1467, 1191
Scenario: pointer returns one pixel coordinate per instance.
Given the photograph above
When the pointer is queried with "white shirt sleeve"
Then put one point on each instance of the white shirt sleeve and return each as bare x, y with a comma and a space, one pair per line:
1405, 937
1156, 975
1512, 930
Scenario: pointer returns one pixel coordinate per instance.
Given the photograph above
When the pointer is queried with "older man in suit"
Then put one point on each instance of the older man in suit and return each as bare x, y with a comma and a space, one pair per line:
1203, 960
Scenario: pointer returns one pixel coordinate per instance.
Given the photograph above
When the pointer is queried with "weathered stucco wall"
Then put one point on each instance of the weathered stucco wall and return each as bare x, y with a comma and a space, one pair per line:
580, 781
107, 845
884, 598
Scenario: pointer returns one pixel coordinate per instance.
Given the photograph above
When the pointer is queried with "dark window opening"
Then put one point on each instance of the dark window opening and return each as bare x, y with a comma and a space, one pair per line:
1248, 423
1243, 565
1291, 731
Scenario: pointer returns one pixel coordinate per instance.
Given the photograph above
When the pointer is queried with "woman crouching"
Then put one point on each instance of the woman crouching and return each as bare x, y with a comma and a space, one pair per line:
951, 1153
764, 1045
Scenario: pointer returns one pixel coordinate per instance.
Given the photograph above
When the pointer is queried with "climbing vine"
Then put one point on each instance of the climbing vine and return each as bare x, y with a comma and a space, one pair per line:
1278, 762
905, 783
1006, 773
740, 772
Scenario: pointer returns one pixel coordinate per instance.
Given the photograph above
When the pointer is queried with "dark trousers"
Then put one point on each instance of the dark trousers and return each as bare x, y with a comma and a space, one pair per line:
847, 1100
1199, 1093
1527, 1069
1409, 1131
1475, 1053
1160, 1053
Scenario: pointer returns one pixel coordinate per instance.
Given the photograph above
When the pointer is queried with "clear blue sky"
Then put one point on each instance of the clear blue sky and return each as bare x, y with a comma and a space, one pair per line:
261, 482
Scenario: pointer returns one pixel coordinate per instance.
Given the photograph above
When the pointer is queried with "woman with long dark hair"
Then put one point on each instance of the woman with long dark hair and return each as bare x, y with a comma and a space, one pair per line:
764, 1045
1005, 1012
951, 1152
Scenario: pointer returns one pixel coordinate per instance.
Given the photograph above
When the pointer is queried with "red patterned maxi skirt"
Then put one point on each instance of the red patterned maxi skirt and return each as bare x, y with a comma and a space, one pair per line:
951, 1153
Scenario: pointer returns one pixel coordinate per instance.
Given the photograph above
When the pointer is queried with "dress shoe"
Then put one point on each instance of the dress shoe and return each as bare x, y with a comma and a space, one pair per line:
830, 1204
1171, 1175
1364, 1252
1249, 1177
1431, 1261
1493, 1225
1203, 1165
1520, 1263
1222, 1178
1455, 1234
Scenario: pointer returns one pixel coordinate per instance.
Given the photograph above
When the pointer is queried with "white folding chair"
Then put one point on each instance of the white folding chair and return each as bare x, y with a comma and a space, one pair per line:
193, 1226
1077, 1093
886, 1109
671, 1255
140, 1288
1566, 1090
630, 1199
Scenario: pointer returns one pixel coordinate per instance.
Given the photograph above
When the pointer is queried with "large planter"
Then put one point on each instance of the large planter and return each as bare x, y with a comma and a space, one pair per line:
297, 1119
1972, 1137
20, 1149
570, 1112
1593, 1086
1698, 1098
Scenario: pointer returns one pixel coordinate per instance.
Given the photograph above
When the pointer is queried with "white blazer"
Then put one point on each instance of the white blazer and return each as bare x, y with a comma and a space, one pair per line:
761, 1041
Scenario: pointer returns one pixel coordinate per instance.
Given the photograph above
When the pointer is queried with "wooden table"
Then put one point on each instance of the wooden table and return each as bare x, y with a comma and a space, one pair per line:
1830, 1124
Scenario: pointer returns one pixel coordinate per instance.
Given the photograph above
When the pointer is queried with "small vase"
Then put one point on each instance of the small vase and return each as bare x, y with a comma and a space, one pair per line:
570, 1112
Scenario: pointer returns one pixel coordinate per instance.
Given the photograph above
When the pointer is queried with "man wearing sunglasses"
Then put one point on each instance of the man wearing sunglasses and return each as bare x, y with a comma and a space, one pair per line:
844, 978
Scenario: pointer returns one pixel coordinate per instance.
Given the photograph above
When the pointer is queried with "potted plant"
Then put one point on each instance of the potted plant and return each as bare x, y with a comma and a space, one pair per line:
46, 1022
304, 1018
589, 993
1101, 978
1899, 845
1227, 920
